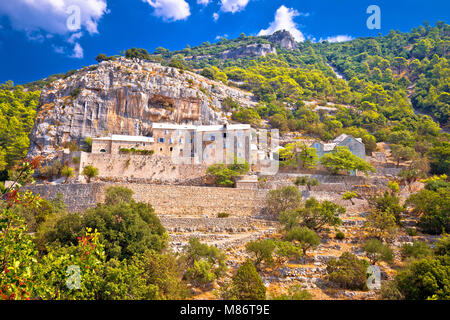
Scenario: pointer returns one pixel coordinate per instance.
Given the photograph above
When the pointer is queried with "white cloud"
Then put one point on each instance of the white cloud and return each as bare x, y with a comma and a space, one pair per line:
78, 51
42, 19
51, 15
216, 16
75, 37
223, 36
284, 20
170, 10
233, 5
58, 49
338, 38
203, 2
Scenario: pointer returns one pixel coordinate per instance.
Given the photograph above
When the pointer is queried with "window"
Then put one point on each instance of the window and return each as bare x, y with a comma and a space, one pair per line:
102, 150
225, 135
171, 149
165, 131
160, 149
161, 140
213, 138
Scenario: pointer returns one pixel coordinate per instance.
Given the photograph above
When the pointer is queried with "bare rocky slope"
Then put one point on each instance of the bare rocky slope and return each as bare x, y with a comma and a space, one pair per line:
125, 97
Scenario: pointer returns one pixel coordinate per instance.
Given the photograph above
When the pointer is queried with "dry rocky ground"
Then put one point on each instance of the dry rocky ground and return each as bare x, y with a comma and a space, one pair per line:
232, 233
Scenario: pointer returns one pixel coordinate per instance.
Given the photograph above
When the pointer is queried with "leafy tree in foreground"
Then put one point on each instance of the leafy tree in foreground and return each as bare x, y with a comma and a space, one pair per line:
125, 229
425, 279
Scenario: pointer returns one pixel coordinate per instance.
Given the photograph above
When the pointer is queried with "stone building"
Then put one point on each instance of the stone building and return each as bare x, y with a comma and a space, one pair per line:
199, 144
355, 145
115, 142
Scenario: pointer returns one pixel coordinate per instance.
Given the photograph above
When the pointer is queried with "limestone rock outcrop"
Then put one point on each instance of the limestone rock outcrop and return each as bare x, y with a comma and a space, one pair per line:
284, 39
251, 50
125, 97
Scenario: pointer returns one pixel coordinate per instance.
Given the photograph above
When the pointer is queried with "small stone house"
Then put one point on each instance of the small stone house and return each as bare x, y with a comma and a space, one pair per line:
355, 145
114, 143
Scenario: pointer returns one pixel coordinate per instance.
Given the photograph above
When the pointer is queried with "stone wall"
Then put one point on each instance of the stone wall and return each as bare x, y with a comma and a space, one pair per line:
166, 199
77, 197
144, 167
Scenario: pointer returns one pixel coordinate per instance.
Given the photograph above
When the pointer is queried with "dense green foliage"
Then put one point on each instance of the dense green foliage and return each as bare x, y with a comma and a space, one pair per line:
312, 214
126, 227
17, 113
204, 263
283, 199
225, 174
261, 251
377, 251
432, 204
348, 271
247, 284
343, 160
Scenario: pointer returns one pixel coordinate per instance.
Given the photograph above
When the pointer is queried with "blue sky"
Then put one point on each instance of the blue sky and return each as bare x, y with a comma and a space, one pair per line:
35, 40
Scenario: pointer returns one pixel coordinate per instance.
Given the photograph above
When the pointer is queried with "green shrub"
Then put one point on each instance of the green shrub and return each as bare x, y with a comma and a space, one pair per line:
340, 235
307, 238
262, 251
284, 199
288, 250
116, 195
442, 246
200, 273
425, 279
295, 293
411, 232
247, 284
376, 251
223, 215
125, 229
348, 271
204, 263
417, 250
90, 172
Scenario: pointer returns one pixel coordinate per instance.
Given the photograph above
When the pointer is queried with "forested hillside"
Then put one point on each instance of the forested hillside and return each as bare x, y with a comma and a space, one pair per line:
385, 79
17, 112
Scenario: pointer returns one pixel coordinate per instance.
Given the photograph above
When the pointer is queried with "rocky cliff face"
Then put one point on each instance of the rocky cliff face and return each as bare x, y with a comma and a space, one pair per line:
284, 39
251, 50
125, 97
